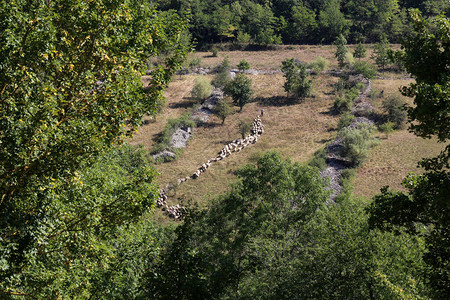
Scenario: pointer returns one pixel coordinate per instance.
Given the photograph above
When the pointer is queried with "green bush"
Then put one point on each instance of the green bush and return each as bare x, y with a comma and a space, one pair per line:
243, 65
319, 160
319, 64
222, 77
222, 110
367, 70
345, 120
393, 107
195, 62
202, 89
356, 143
214, 52
387, 128
342, 104
339, 87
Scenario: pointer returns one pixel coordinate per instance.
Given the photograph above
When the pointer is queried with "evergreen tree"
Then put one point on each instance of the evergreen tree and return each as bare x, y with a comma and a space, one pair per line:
360, 51
341, 50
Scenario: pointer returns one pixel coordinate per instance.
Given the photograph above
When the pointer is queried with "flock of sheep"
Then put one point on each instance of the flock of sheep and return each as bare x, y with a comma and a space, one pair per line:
177, 211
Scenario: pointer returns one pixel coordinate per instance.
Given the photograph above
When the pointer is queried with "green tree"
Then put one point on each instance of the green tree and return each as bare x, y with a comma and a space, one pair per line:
70, 76
341, 50
222, 110
240, 90
381, 53
356, 143
243, 65
360, 51
222, 78
303, 24
332, 21
297, 82
244, 127
394, 108
424, 209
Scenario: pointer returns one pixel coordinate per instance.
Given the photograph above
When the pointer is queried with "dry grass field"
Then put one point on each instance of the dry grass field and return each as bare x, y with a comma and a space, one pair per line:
295, 129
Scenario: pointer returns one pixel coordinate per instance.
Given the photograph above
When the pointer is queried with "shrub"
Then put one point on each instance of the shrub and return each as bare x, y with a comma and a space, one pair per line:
222, 110
296, 78
214, 52
195, 62
202, 89
356, 143
387, 128
222, 77
319, 64
341, 50
367, 70
244, 127
319, 159
339, 87
360, 51
345, 120
345, 103
349, 58
243, 65
395, 112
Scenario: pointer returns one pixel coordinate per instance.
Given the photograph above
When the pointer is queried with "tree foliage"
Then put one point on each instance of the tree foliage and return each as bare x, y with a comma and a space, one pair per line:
296, 82
240, 89
341, 50
424, 209
70, 76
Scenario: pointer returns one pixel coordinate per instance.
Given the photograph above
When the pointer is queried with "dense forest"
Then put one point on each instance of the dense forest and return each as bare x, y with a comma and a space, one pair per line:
77, 202
300, 22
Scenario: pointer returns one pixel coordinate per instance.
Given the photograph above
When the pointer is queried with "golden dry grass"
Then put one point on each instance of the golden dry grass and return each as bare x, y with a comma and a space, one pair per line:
296, 130
391, 161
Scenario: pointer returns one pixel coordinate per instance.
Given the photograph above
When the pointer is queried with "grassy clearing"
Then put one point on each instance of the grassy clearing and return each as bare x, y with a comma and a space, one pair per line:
390, 162
295, 129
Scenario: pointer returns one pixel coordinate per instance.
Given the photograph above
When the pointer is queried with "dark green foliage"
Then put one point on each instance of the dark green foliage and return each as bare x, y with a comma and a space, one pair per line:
360, 51
395, 110
296, 82
243, 65
273, 237
240, 89
214, 52
341, 50
319, 159
424, 210
381, 53
71, 89
223, 110
387, 127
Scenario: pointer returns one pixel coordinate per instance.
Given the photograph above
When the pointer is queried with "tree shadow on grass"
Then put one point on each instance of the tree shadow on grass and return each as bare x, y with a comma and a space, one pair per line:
187, 102
277, 101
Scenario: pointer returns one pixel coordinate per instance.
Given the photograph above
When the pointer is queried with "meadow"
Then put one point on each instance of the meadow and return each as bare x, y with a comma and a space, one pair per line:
296, 129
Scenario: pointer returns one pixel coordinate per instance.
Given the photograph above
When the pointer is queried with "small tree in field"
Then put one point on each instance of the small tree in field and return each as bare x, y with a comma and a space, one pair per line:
360, 51
341, 50
381, 53
240, 89
296, 78
222, 110
243, 65
244, 127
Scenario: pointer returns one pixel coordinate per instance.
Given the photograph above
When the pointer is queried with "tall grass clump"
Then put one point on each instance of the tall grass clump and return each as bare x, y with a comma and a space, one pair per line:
320, 64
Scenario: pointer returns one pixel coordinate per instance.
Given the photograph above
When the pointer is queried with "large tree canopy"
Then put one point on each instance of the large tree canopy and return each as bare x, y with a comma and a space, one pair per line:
426, 56
70, 89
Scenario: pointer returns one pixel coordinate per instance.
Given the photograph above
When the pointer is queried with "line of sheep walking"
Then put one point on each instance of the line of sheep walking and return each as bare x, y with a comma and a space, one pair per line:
177, 211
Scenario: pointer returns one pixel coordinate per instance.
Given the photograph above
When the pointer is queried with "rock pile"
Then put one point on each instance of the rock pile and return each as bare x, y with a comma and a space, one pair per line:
177, 211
